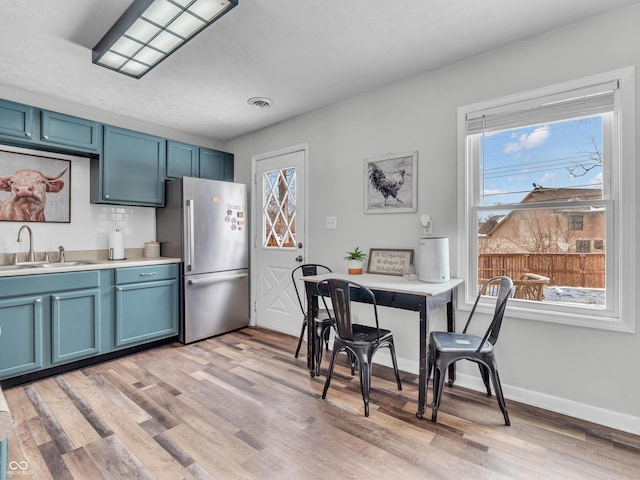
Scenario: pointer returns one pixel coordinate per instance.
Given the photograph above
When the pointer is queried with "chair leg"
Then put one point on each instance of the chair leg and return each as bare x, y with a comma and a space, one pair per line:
484, 372
304, 325
365, 381
499, 395
395, 364
438, 386
335, 352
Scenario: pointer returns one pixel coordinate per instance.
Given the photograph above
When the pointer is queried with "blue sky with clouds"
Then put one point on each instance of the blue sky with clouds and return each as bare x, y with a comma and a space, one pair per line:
563, 154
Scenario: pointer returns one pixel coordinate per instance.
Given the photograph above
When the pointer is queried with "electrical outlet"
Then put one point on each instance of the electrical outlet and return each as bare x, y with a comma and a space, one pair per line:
332, 223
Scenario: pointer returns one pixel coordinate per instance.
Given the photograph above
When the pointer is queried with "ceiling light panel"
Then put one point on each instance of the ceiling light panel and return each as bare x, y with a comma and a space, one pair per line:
150, 30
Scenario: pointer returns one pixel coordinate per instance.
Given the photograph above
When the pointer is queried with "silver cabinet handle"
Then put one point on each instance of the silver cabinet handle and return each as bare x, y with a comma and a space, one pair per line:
27, 134
57, 299
119, 289
150, 274
37, 300
106, 196
46, 137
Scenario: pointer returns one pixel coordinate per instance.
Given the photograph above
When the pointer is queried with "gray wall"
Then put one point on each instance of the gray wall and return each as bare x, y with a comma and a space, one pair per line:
585, 372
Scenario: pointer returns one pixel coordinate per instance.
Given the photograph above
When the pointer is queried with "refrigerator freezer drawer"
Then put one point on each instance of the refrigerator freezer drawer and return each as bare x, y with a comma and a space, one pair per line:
214, 303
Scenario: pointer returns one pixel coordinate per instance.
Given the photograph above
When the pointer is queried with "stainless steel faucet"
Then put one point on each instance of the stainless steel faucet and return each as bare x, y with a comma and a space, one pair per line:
61, 257
32, 256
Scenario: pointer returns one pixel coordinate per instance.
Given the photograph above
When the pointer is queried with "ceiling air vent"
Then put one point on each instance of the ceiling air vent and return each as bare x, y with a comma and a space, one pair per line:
260, 103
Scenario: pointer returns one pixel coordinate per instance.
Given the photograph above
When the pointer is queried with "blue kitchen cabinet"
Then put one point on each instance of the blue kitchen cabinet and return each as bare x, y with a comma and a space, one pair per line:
16, 121
146, 304
48, 320
131, 170
58, 129
75, 325
216, 165
183, 160
21, 335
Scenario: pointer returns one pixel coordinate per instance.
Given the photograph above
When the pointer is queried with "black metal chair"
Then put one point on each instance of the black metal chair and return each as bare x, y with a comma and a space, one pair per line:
448, 347
360, 342
322, 319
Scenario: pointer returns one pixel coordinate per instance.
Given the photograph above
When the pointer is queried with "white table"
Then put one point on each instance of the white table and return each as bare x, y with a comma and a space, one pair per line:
395, 292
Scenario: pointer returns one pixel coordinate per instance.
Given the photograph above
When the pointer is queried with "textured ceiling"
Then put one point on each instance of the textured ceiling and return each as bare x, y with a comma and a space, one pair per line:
303, 54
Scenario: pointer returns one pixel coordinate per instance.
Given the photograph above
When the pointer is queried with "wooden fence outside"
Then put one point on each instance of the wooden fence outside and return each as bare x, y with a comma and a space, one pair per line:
564, 269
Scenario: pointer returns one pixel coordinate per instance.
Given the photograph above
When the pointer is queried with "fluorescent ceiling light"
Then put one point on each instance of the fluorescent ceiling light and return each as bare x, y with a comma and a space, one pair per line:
151, 30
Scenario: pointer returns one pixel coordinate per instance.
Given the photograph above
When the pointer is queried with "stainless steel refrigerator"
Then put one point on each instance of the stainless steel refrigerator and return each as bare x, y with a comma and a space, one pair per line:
205, 223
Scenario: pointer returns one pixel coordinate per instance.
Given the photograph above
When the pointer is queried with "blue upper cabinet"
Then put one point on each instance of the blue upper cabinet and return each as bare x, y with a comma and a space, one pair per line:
216, 165
31, 127
182, 160
16, 121
80, 134
131, 170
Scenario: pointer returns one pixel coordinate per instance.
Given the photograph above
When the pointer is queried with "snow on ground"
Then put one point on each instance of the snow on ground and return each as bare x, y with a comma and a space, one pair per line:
592, 296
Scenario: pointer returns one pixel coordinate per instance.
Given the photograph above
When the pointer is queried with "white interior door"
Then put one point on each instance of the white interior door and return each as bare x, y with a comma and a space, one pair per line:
279, 238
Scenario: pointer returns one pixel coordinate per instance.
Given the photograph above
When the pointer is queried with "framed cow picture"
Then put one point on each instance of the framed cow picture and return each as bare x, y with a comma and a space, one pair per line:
34, 187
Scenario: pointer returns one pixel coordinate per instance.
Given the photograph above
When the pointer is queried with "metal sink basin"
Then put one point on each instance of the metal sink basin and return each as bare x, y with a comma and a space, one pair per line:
65, 264
35, 265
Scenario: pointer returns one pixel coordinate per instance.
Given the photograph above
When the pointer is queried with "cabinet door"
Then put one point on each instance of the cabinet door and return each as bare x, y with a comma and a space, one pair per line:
182, 160
20, 335
146, 311
78, 133
133, 168
16, 120
75, 325
216, 165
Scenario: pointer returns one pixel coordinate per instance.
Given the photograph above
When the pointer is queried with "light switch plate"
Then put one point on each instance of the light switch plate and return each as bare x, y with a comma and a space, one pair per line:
332, 223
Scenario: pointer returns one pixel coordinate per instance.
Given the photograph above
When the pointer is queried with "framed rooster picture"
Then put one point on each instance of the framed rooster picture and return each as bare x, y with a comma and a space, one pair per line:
391, 183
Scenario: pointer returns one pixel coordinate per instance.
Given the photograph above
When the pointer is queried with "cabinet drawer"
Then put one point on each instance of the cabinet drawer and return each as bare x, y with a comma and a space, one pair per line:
47, 282
146, 274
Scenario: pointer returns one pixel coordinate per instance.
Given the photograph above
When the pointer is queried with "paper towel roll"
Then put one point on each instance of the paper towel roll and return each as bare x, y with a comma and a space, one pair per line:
116, 245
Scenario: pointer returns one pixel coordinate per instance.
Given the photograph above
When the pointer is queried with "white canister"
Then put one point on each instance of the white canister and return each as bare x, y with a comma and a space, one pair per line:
152, 249
434, 259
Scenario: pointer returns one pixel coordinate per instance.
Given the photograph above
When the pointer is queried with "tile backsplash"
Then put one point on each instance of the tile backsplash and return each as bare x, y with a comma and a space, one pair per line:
90, 223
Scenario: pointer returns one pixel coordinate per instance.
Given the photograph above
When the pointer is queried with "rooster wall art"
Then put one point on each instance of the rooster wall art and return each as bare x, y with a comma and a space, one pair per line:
391, 185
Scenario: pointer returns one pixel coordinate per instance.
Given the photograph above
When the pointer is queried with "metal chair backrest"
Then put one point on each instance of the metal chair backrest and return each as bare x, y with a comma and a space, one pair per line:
307, 270
505, 291
340, 294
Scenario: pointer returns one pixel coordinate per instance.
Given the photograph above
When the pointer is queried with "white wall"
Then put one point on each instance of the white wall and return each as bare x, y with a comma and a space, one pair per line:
588, 373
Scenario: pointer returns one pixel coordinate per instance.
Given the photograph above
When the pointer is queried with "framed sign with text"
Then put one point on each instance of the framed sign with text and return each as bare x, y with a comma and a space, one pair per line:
389, 262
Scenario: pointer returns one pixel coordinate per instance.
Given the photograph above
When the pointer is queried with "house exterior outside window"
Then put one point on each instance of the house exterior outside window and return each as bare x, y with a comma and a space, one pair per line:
546, 182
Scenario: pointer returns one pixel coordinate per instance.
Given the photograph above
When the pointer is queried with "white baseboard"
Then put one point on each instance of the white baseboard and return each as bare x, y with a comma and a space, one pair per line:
601, 416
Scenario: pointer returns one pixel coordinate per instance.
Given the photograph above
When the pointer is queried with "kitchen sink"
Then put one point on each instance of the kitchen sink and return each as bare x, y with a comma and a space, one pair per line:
35, 265
65, 264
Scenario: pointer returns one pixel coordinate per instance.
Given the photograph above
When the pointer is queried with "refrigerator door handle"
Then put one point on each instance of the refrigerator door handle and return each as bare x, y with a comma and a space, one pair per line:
190, 236
217, 279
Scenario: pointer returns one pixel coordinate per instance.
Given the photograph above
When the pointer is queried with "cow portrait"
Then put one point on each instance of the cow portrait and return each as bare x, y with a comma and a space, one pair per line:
27, 198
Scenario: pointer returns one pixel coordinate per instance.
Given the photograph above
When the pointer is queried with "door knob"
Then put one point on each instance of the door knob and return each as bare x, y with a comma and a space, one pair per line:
299, 258
300, 245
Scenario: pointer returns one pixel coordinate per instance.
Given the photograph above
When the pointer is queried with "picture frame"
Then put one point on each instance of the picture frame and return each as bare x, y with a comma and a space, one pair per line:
391, 183
34, 187
386, 261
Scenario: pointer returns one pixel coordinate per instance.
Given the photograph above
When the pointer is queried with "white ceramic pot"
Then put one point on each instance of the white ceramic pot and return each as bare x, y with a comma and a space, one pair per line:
354, 267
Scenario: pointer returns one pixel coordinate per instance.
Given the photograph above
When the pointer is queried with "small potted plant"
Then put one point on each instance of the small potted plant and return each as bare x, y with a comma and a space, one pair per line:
355, 259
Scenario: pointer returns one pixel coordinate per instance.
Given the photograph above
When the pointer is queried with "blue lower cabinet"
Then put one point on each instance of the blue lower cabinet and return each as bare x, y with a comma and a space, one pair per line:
4, 459
21, 335
75, 325
146, 305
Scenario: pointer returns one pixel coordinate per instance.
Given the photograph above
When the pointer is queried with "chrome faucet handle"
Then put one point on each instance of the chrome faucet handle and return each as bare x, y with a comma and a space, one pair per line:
15, 259
45, 258
61, 256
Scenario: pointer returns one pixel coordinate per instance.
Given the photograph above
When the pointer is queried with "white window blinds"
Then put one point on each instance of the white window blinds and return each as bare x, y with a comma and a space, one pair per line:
582, 102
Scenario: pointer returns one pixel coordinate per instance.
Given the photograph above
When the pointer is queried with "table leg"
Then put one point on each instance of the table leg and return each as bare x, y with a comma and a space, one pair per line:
422, 368
311, 328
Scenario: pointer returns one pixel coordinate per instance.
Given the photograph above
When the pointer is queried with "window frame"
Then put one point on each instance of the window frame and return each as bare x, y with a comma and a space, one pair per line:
618, 195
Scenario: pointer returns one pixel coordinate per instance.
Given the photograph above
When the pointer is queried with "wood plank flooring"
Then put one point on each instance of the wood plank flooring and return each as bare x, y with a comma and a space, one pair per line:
239, 406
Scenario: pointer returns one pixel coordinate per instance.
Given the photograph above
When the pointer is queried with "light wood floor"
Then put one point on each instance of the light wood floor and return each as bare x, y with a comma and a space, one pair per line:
239, 406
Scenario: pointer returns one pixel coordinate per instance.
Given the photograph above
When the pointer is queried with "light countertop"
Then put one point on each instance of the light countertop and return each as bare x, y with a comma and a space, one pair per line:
52, 267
